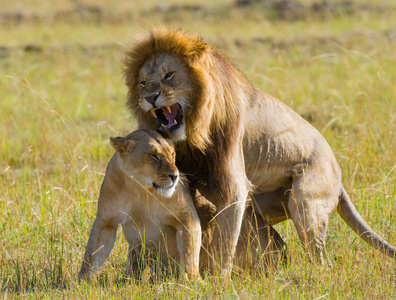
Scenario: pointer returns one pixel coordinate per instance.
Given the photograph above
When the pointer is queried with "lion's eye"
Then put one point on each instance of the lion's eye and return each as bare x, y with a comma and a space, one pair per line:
155, 157
143, 83
169, 75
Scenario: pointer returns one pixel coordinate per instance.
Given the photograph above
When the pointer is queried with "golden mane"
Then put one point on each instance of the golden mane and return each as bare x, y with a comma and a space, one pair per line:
216, 83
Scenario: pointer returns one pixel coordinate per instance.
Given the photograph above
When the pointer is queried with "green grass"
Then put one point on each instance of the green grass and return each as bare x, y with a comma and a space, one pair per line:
62, 97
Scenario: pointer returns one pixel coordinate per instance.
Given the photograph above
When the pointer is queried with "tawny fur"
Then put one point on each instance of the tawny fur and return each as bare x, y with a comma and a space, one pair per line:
234, 136
141, 192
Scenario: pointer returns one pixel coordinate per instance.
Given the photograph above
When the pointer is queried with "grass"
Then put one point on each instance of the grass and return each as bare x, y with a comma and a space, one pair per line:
62, 96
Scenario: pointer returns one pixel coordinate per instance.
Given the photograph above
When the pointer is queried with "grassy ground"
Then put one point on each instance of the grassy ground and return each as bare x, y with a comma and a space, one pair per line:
62, 96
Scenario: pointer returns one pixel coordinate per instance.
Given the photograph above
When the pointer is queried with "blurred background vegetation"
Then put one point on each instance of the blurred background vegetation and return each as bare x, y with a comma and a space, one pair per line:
62, 95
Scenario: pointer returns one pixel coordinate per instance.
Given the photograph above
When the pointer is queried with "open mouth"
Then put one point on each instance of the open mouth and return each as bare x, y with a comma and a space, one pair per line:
169, 117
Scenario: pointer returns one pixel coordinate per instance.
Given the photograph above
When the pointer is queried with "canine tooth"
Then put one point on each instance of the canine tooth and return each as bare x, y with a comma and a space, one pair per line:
153, 112
175, 122
168, 108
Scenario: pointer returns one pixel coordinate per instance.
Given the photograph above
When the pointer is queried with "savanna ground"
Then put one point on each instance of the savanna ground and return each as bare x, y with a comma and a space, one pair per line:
62, 95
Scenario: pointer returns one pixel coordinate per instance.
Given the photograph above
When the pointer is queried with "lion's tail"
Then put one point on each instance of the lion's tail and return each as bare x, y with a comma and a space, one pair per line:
350, 215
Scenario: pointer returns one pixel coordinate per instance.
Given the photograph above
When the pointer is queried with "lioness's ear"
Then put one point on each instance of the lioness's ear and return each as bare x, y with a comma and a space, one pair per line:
120, 144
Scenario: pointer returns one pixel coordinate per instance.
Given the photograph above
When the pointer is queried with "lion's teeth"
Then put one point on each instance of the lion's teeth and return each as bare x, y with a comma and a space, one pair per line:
168, 108
153, 112
174, 121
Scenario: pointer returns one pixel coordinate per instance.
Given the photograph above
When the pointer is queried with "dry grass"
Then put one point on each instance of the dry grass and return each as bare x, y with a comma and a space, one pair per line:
62, 96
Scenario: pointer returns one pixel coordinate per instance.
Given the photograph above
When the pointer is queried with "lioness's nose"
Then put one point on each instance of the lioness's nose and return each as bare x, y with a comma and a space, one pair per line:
153, 97
173, 177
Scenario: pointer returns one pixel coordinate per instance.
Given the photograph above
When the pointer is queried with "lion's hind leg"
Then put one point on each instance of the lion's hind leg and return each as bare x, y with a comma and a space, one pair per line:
311, 203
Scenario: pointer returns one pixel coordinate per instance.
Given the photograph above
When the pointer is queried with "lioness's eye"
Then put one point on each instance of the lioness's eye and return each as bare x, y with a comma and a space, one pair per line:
169, 75
143, 83
153, 156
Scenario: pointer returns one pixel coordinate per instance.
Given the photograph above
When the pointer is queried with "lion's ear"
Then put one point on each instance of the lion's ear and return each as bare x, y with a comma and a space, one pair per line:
198, 51
121, 144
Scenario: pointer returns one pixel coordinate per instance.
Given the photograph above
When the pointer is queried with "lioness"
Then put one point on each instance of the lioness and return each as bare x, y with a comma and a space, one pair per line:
230, 136
141, 191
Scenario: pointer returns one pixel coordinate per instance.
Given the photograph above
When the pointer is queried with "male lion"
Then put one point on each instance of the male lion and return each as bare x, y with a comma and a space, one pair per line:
137, 193
231, 136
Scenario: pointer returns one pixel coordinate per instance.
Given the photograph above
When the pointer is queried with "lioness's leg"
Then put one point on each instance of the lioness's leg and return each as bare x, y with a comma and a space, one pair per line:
206, 211
135, 263
258, 242
101, 241
189, 244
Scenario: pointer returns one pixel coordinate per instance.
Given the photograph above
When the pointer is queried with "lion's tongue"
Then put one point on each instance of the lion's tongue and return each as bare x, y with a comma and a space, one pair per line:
170, 114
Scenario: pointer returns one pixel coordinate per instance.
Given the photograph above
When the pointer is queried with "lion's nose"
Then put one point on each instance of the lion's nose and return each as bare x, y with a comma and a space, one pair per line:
173, 177
152, 98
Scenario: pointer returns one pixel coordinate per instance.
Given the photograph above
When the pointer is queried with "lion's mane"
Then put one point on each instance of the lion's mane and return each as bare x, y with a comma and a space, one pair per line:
220, 94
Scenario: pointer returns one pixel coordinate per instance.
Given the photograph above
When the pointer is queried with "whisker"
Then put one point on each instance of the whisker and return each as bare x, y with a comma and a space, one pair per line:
183, 177
184, 101
177, 87
186, 174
